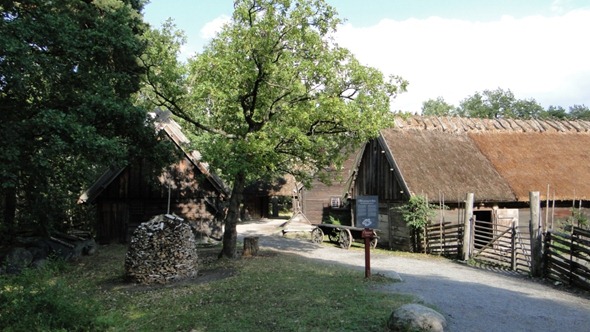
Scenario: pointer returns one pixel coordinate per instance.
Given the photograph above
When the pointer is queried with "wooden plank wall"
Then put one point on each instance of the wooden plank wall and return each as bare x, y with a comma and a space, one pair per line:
377, 177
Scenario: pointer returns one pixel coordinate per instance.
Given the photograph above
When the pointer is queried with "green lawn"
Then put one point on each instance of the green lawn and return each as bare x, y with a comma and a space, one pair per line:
269, 292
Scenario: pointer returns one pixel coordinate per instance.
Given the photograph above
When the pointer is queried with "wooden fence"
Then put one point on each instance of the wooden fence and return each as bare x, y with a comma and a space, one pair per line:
502, 245
443, 239
492, 243
567, 257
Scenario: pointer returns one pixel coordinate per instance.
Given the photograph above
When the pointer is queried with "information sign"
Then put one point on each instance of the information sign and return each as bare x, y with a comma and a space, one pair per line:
367, 212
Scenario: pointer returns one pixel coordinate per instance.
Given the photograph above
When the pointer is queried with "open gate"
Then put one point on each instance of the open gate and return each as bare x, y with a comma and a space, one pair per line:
498, 239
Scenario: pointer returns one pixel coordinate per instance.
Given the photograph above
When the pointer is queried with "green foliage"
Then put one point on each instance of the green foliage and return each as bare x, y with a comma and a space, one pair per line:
41, 300
501, 103
438, 107
578, 218
272, 93
69, 69
334, 221
417, 212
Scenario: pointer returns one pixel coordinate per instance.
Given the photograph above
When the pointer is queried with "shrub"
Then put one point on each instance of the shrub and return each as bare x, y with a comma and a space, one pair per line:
417, 213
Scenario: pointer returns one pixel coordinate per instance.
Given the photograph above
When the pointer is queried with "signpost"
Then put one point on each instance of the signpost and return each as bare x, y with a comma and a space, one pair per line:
367, 217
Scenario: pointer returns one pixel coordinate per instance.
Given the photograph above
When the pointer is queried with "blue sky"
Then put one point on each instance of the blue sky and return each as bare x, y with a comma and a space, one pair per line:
538, 49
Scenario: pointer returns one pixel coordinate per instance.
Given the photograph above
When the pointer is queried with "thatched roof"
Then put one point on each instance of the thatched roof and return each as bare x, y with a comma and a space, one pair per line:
497, 159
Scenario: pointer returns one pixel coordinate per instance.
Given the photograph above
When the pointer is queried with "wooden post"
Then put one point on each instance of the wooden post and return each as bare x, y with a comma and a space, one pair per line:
513, 245
250, 246
536, 235
467, 228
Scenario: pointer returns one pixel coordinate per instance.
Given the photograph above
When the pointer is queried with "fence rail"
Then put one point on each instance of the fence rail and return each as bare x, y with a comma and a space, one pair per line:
444, 239
492, 243
567, 257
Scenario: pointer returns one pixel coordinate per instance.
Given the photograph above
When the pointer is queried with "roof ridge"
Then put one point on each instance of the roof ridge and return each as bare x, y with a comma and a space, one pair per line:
456, 124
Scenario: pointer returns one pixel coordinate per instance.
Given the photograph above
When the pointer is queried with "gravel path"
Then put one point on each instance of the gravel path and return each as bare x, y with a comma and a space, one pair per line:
471, 299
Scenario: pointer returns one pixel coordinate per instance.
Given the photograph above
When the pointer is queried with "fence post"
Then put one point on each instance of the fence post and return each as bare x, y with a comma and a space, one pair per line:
536, 235
467, 229
513, 246
547, 254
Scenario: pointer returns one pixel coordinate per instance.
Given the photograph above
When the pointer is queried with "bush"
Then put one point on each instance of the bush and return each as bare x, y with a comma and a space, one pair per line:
40, 300
417, 213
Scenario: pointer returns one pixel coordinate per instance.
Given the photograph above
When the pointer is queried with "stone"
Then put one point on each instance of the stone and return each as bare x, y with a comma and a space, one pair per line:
416, 317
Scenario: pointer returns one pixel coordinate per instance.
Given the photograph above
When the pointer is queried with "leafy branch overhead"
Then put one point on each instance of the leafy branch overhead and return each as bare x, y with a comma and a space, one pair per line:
272, 93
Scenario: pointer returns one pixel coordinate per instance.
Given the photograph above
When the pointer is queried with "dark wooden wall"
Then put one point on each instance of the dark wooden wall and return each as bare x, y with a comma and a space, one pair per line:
376, 176
135, 196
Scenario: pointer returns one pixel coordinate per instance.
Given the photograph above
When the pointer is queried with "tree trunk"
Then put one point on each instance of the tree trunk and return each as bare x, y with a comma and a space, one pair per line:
230, 234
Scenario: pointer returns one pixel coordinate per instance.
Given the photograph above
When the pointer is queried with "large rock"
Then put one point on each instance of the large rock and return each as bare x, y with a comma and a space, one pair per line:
416, 317
161, 250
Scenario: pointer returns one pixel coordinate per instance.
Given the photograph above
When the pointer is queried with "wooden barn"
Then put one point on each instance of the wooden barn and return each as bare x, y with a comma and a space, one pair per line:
322, 201
127, 196
500, 161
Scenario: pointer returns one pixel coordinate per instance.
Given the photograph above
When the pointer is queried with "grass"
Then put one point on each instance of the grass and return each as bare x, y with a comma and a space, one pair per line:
268, 292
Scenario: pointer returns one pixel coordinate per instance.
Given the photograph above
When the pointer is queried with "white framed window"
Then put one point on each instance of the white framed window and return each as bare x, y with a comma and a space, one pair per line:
335, 202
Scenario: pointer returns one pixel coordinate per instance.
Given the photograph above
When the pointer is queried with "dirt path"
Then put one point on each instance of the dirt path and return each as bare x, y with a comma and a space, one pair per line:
472, 299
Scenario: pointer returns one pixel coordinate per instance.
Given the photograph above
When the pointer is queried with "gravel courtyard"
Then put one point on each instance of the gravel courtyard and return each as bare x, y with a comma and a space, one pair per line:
471, 299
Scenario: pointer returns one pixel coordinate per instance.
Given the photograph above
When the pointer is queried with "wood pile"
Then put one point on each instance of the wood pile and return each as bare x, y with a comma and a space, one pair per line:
162, 250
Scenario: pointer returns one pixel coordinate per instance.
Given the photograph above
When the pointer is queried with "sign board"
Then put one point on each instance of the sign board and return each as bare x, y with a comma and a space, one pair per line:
367, 212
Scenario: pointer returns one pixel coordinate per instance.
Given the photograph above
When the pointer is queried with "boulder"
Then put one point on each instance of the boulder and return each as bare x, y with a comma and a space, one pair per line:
416, 317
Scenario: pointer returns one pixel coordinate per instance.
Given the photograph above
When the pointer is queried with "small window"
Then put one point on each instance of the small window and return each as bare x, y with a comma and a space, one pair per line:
335, 202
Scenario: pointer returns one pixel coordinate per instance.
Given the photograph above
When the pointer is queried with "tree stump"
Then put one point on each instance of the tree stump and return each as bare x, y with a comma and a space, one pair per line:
250, 246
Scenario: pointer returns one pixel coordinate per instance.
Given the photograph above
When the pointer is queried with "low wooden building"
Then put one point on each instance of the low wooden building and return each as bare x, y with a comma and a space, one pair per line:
127, 196
498, 160
325, 200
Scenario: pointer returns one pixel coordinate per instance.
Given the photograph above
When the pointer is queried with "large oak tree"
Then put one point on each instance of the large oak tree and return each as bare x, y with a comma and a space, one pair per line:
271, 94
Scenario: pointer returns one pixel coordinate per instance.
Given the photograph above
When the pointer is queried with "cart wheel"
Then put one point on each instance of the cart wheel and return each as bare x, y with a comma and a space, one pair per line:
317, 235
333, 236
373, 243
345, 239
374, 240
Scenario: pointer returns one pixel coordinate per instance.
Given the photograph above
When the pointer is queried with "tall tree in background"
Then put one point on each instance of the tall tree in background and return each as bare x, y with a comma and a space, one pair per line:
498, 103
67, 71
437, 107
273, 94
579, 112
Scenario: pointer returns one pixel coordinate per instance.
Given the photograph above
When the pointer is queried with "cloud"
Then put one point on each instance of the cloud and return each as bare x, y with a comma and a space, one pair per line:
545, 58
210, 29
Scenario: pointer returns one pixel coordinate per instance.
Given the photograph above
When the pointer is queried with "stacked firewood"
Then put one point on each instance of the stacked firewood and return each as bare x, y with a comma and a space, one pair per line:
162, 250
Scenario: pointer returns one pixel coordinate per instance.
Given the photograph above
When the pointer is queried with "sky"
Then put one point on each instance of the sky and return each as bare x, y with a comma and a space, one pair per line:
538, 49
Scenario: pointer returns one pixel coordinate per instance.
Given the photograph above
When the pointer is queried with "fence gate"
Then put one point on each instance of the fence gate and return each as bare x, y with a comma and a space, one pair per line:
498, 239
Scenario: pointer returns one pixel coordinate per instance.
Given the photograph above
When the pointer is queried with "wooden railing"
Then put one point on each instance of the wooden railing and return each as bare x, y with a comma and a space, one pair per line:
567, 257
444, 239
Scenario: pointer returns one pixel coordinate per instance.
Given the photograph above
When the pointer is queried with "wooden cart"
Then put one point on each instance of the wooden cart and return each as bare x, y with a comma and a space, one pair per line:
343, 235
